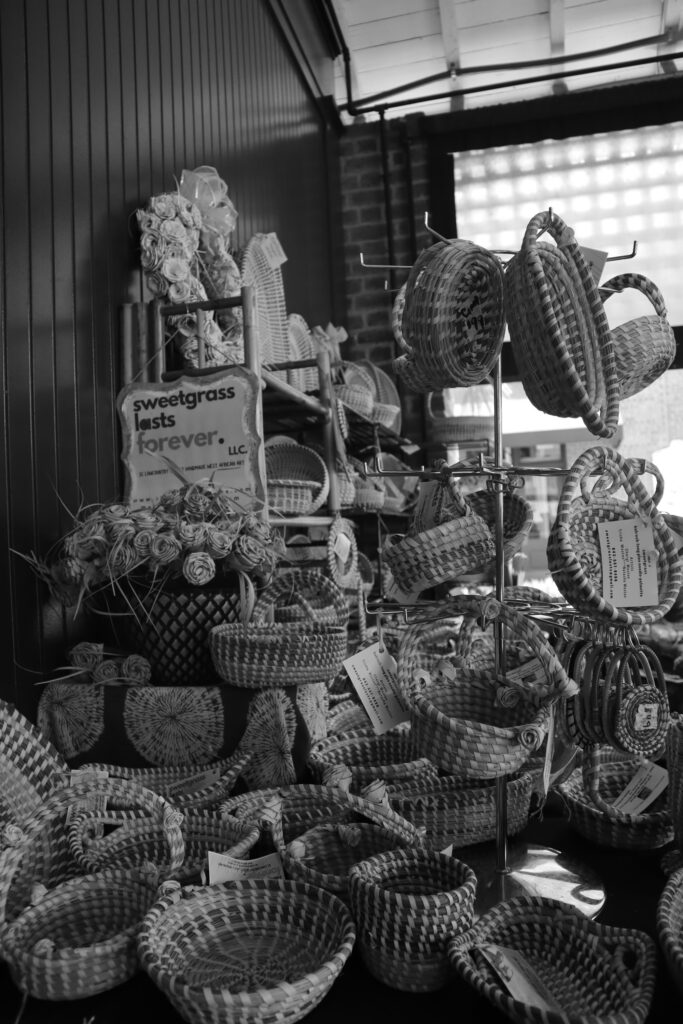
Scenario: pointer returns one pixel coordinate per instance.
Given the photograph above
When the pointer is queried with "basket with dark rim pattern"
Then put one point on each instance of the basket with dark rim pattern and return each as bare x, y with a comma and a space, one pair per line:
644, 347
559, 332
407, 904
593, 972
574, 553
29, 766
252, 952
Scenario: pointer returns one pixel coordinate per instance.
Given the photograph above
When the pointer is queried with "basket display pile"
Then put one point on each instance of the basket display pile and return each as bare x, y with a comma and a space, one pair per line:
250, 952
407, 904
592, 972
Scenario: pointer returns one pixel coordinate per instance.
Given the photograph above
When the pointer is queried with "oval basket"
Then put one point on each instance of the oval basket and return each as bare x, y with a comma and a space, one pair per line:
593, 971
574, 552
251, 952
300, 469
389, 756
277, 654
407, 904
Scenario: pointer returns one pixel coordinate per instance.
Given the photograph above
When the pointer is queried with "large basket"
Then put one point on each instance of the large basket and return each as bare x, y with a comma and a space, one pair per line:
644, 347
558, 328
460, 812
29, 766
670, 926
588, 793
251, 952
453, 320
574, 554
593, 972
389, 756
407, 904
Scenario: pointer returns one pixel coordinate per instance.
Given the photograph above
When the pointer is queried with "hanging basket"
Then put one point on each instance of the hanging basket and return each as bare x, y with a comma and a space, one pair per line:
448, 430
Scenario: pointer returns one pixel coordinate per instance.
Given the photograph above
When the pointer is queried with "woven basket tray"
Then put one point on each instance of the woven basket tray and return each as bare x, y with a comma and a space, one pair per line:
407, 904
253, 952
594, 972
29, 766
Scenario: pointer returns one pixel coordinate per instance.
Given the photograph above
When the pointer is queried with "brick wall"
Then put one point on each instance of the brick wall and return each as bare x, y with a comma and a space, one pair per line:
369, 230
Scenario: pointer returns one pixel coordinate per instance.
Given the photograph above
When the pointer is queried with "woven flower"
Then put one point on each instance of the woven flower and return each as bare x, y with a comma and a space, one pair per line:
174, 725
218, 542
145, 519
86, 655
136, 669
257, 529
142, 542
108, 671
165, 548
197, 502
192, 535
199, 568
248, 553
122, 559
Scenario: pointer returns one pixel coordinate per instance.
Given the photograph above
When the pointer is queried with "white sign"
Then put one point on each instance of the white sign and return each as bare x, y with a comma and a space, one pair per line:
643, 789
372, 670
629, 563
207, 425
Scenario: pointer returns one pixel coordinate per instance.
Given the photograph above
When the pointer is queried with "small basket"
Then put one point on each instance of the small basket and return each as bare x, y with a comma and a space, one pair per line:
407, 904
302, 806
559, 332
299, 469
460, 812
589, 792
369, 493
669, 924
252, 952
301, 595
389, 757
385, 391
518, 517
574, 554
29, 766
593, 972
644, 347
386, 415
277, 654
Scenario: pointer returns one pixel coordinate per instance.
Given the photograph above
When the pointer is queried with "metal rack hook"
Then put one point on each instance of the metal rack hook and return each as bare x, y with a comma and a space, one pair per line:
626, 256
432, 231
382, 266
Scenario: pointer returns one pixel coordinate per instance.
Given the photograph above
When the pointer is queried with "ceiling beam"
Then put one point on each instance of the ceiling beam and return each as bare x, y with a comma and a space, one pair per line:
354, 82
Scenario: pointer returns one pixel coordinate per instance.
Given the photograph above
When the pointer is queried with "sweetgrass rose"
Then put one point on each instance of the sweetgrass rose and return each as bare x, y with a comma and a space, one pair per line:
107, 671
122, 529
86, 655
199, 568
165, 548
257, 529
112, 513
192, 535
145, 519
218, 542
175, 269
247, 553
147, 221
197, 501
122, 559
163, 205
157, 283
152, 250
181, 291
142, 542
174, 230
171, 499
136, 669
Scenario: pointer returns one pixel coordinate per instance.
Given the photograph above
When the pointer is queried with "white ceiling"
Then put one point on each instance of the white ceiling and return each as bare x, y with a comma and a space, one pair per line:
396, 43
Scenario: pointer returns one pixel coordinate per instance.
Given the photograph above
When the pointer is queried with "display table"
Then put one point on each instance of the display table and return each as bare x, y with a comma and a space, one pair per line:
633, 883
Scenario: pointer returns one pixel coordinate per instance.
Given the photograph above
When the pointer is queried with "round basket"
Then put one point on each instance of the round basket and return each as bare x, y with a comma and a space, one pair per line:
397, 311
644, 347
385, 392
251, 952
518, 517
30, 766
277, 654
407, 904
592, 971
460, 812
389, 757
559, 332
589, 792
574, 552
669, 925
300, 469
453, 319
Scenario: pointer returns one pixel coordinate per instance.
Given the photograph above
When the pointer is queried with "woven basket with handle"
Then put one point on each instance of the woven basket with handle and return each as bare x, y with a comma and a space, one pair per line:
644, 347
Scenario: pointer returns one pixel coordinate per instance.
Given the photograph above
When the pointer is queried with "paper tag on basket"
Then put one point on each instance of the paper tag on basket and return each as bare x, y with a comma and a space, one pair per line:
193, 783
629, 563
410, 449
519, 977
394, 593
224, 868
272, 250
372, 671
595, 258
549, 751
342, 547
646, 785
448, 852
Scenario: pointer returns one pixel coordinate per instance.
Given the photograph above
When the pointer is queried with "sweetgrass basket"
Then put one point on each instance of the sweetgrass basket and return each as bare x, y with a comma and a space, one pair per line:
644, 347
574, 553
277, 654
302, 806
453, 320
296, 595
369, 494
389, 757
518, 517
298, 469
305, 378
457, 429
593, 972
559, 332
407, 904
269, 295
385, 393
589, 792
669, 923
250, 952
460, 812
29, 766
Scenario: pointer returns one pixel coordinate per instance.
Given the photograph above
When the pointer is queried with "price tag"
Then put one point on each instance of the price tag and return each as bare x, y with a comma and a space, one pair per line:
342, 547
223, 868
646, 785
595, 258
373, 674
410, 449
273, 251
193, 783
519, 977
629, 563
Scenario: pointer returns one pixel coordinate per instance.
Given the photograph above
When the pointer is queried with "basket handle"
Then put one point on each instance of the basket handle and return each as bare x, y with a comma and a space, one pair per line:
604, 462
640, 283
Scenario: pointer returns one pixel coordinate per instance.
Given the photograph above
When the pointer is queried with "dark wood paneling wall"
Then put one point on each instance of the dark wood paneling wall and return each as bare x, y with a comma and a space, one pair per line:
102, 104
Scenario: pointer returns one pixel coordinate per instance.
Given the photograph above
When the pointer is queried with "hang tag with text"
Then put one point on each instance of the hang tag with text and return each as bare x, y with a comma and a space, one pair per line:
629, 563
519, 977
342, 547
193, 783
273, 251
643, 789
223, 868
372, 672
596, 259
